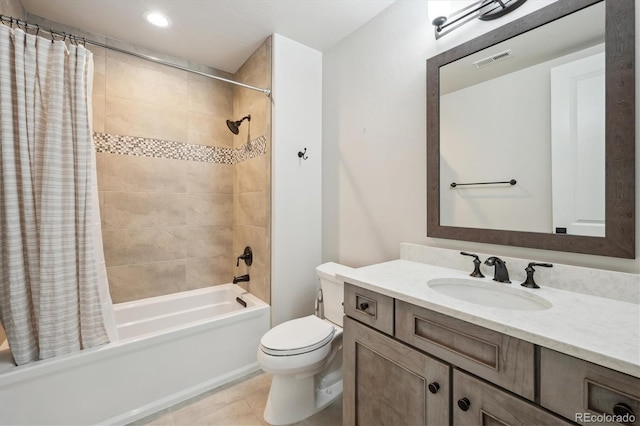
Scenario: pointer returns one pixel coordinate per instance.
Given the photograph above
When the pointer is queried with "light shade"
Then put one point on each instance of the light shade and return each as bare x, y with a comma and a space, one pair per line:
157, 19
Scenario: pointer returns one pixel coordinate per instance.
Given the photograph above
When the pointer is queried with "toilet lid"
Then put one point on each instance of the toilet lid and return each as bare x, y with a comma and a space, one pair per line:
297, 336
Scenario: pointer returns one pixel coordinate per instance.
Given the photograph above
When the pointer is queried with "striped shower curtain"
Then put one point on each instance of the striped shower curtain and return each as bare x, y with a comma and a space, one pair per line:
54, 296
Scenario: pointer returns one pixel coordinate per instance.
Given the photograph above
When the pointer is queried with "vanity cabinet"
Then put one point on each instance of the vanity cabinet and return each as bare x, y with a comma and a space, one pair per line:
476, 402
498, 358
370, 308
407, 365
580, 390
389, 383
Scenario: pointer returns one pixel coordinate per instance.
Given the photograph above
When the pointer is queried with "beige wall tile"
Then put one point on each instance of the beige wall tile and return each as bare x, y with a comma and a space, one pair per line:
98, 105
99, 70
168, 224
144, 119
252, 178
209, 96
100, 169
133, 282
250, 208
252, 175
209, 209
208, 271
127, 246
209, 241
12, 8
209, 177
256, 238
139, 80
143, 209
142, 174
256, 70
101, 206
210, 129
259, 106
259, 284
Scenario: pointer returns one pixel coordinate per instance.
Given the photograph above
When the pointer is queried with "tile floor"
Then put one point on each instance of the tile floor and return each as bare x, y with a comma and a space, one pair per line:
239, 403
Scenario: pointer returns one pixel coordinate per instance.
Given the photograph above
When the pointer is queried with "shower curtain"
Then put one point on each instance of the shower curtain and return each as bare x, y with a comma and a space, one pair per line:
54, 296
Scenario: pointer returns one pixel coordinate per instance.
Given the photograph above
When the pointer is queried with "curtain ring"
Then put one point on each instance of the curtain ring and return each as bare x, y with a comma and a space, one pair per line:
37, 30
52, 36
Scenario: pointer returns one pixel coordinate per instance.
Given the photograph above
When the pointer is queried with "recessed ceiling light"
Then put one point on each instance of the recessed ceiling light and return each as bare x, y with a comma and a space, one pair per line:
157, 19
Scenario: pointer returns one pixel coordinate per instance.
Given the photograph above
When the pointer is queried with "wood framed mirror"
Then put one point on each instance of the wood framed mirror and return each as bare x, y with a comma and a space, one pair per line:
614, 210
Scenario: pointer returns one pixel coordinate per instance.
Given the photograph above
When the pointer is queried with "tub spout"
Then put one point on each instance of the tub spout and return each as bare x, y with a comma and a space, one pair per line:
241, 278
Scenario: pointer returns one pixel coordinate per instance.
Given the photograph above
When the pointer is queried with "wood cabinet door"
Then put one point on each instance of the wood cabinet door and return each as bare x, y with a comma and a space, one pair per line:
476, 402
389, 383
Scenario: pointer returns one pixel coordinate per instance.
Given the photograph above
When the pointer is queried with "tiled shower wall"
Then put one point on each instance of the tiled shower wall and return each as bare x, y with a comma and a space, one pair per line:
167, 223
13, 8
252, 178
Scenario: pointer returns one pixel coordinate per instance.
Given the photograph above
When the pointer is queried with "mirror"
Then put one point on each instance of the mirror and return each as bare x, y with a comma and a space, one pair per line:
542, 109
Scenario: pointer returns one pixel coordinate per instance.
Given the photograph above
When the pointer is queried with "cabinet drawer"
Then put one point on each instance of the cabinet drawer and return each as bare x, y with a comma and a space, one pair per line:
500, 359
580, 390
369, 307
478, 403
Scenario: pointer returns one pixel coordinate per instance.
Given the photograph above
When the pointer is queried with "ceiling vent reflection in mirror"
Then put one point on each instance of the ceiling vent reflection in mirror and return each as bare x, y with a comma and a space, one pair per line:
481, 63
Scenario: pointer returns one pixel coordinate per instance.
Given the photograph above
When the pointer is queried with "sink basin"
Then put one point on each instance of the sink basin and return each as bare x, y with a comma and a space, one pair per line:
495, 295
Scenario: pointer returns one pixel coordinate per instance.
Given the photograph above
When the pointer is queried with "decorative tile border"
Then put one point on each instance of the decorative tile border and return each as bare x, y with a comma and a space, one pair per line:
251, 149
157, 148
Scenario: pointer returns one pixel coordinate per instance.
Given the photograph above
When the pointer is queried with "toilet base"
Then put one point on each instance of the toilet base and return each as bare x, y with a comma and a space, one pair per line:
293, 399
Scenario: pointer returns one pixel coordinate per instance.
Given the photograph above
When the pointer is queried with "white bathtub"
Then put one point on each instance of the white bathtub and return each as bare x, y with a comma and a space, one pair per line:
171, 348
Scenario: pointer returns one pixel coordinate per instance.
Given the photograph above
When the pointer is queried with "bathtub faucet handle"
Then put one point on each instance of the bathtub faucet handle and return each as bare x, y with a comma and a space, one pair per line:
247, 256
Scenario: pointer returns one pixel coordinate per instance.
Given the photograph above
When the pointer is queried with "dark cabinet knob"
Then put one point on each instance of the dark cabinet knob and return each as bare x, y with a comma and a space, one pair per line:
464, 404
364, 306
434, 387
622, 409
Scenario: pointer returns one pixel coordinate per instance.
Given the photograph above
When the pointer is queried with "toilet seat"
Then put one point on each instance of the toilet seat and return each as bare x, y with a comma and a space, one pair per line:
297, 336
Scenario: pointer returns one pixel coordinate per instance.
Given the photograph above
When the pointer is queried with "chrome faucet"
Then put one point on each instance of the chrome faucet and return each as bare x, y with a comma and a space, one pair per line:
500, 273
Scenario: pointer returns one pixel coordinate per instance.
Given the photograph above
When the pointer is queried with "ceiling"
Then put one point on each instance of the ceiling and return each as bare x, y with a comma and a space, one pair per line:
219, 33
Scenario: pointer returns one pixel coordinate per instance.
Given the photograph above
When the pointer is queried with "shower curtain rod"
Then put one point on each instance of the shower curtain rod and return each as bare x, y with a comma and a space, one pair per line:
76, 39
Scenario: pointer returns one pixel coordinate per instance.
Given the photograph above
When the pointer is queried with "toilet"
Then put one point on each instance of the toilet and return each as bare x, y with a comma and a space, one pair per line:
304, 355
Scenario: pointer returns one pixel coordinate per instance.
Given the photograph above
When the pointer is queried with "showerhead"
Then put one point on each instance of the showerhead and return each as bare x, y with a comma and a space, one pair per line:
234, 126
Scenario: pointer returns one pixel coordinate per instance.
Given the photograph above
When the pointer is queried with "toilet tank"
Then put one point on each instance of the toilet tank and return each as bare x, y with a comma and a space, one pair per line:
332, 290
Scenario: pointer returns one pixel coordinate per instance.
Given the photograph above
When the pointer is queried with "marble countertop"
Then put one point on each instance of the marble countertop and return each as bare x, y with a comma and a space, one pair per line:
596, 329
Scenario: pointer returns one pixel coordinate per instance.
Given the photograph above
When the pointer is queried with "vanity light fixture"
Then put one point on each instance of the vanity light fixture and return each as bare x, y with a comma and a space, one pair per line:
485, 10
157, 19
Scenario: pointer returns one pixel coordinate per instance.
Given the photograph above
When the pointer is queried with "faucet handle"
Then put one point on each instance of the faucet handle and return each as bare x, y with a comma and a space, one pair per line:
476, 264
247, 256
530, 282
